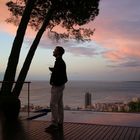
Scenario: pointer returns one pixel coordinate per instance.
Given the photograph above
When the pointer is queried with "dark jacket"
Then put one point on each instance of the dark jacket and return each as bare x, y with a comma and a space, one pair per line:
59, 75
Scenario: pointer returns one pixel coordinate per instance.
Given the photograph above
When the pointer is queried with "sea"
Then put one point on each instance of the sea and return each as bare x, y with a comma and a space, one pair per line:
38, 92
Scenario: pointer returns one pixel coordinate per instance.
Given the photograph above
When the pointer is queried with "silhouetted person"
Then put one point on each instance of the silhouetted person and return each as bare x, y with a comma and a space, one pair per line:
57, 80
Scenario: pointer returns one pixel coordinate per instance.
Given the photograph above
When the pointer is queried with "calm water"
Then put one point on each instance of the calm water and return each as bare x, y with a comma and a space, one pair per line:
75, 91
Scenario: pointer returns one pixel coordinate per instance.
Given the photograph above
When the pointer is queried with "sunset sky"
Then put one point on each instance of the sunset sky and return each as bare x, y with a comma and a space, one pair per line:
112, 55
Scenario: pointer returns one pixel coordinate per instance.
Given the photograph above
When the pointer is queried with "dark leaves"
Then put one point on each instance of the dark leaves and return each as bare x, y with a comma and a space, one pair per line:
66, 13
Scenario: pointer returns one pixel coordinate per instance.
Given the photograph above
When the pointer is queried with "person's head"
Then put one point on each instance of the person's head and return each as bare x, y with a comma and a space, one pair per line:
58, 51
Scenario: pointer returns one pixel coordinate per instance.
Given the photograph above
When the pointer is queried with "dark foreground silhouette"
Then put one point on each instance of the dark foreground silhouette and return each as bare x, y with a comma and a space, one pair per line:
12, 130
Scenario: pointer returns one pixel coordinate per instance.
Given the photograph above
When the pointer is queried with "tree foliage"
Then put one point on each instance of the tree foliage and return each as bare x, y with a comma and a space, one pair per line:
134, 106
70, 14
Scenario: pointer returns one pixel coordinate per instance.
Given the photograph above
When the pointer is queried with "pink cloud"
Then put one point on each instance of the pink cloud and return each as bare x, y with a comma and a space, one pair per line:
4, 27
118, 30
9, 27
3, 11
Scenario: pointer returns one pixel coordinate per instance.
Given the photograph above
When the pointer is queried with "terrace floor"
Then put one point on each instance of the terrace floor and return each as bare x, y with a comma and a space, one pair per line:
34, 130
78, 126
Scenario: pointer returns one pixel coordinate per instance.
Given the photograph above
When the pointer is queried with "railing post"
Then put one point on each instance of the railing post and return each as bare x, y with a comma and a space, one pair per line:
28, 99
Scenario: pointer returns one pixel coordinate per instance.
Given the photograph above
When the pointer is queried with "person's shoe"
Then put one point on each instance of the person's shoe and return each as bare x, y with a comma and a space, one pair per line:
52, 128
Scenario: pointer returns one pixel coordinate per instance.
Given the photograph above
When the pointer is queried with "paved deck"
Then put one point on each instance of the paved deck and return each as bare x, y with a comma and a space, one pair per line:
34, 130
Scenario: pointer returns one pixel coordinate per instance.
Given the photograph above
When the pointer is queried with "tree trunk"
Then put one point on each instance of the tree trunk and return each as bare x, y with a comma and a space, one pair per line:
28, 60
9, 104
9, 107
10, 72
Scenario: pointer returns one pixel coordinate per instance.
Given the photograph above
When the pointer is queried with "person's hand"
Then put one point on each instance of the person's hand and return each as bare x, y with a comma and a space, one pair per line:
50, 68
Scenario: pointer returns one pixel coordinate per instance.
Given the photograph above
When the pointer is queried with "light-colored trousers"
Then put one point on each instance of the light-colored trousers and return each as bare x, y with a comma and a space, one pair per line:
56, 104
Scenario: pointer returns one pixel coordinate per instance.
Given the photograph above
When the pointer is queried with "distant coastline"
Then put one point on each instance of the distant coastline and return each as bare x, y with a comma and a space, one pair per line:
129, 107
